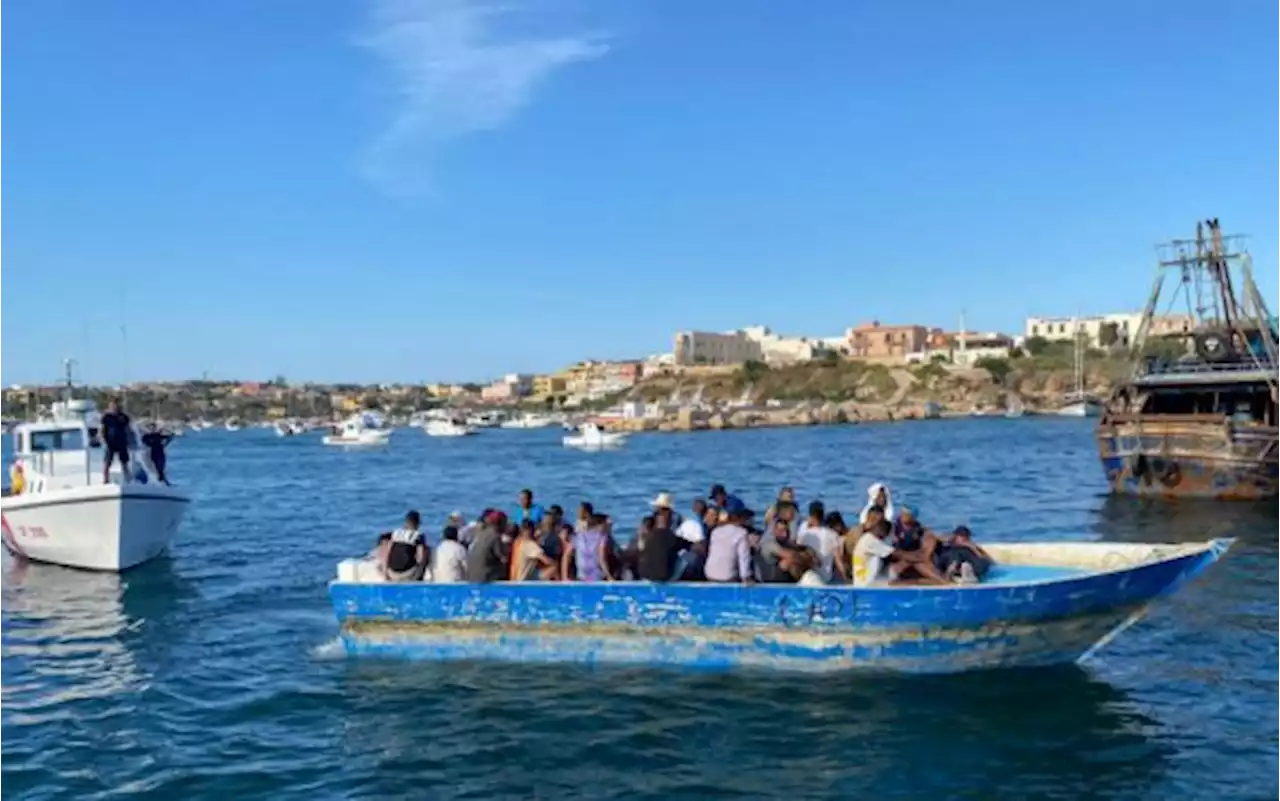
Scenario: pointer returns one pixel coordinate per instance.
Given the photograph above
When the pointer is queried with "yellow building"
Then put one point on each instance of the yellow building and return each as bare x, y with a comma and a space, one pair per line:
544, 385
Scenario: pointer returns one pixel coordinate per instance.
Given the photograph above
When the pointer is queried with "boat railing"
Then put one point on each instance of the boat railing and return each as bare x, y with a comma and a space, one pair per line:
1163, 367
1139, 417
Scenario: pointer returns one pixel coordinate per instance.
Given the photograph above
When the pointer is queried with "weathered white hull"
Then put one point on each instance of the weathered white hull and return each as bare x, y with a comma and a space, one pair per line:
1080, 409
437, 429
367, 439
98, 527
595, 443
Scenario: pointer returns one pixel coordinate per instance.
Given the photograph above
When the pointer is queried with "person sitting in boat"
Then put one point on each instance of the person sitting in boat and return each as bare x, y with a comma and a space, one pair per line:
449, 558
379, 552
914, 547
659, 549
564, 539
878, 495
786, 495
825, 543
585, 512
835, 521
773, 557
872, 517
116, 431
407, 555
526, 509
961, 559
528, 560
590, 551
729, 553
156, 441
871, 554
487, 557
722, 499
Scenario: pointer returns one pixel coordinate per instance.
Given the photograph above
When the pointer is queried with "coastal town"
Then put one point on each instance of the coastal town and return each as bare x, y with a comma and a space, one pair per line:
741, 378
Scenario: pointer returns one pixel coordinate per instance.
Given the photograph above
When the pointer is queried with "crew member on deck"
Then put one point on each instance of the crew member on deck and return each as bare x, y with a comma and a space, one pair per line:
156, 441
115, 439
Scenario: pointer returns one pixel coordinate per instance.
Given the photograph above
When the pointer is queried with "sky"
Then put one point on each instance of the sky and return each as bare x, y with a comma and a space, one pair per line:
399, 190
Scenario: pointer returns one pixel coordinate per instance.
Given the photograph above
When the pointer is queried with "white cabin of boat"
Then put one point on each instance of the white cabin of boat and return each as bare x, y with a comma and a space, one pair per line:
63, 450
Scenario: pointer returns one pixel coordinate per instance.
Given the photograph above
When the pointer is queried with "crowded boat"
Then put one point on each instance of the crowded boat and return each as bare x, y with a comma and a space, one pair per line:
716, 539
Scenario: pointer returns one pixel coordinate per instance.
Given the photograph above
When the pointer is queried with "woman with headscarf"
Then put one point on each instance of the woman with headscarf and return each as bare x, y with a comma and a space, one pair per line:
878, 495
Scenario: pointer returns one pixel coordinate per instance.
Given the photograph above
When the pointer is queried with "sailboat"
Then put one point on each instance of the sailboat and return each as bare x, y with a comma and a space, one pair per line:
1079, 403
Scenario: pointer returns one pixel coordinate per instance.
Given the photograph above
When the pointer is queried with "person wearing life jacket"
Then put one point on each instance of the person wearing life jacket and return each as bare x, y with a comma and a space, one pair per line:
406, 558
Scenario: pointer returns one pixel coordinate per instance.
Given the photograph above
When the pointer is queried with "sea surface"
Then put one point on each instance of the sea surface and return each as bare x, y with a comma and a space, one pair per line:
215, 673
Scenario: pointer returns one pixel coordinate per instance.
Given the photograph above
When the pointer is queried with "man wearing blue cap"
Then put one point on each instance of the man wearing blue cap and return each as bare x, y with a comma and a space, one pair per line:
729, 553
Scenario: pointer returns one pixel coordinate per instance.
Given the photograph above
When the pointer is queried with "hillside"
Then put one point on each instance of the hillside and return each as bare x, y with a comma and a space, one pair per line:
1040, 379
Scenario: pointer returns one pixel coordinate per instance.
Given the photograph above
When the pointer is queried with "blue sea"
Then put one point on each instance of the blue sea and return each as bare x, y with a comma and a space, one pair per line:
215, 673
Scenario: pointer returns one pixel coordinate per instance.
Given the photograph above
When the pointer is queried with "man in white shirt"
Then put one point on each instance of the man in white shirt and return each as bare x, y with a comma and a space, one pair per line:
870, 553
449, 565
824, 542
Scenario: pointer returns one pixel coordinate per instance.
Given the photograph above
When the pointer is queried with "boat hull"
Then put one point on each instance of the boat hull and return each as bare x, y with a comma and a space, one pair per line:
358, 442
1178, 459
702, 625
99, 527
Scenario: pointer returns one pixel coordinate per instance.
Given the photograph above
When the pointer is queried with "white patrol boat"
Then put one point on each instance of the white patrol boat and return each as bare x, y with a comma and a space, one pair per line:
58, 509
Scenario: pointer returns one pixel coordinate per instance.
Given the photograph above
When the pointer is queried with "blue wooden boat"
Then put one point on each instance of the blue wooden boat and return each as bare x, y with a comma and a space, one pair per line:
1043, 604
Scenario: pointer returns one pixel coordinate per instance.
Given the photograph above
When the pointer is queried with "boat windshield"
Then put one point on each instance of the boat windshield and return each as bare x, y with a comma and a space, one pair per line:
63, 439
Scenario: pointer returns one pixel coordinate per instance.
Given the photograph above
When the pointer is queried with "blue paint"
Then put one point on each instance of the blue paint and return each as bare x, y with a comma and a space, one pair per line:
1054, 619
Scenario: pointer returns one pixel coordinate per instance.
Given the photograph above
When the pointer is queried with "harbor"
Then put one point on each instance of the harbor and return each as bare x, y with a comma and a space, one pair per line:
183, 632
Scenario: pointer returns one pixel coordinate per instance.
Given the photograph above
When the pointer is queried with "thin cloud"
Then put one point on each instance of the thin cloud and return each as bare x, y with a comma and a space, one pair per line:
457, 67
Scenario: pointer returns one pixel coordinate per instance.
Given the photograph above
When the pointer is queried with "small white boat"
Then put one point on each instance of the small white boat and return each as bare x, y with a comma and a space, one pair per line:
447, 428
529, 421
591, 437
59, 511
1085, 407
233, 424
284, 428
485, 420
358, 431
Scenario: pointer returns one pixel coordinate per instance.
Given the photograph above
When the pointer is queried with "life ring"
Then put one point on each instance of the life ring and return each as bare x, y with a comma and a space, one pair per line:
1171, 476
1213, 347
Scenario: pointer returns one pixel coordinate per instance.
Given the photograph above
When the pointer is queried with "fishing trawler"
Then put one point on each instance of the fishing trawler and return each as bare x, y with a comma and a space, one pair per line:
1198, 416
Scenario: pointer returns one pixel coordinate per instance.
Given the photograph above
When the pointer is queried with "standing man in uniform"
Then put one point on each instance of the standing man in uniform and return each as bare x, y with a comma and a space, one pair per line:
115, 439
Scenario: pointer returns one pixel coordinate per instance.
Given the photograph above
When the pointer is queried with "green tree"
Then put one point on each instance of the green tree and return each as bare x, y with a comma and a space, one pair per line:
999, 368
829, 357
1035, 345
752, 370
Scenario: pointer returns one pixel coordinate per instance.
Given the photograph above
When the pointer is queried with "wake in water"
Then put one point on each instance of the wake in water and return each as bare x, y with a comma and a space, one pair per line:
329, 651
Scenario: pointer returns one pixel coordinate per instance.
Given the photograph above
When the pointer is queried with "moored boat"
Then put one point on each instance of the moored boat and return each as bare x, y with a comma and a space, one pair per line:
447, 428
359, 431
590, 436
1198, 416
1043, 604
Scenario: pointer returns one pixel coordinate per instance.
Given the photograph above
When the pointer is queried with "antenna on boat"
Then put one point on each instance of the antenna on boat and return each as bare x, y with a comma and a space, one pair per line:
1226, 325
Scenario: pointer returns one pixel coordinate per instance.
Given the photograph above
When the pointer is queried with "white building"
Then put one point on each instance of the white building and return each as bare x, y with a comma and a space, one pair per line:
521, 384
1063, 329
705, 347
1059, 329
754, 343
777, 349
